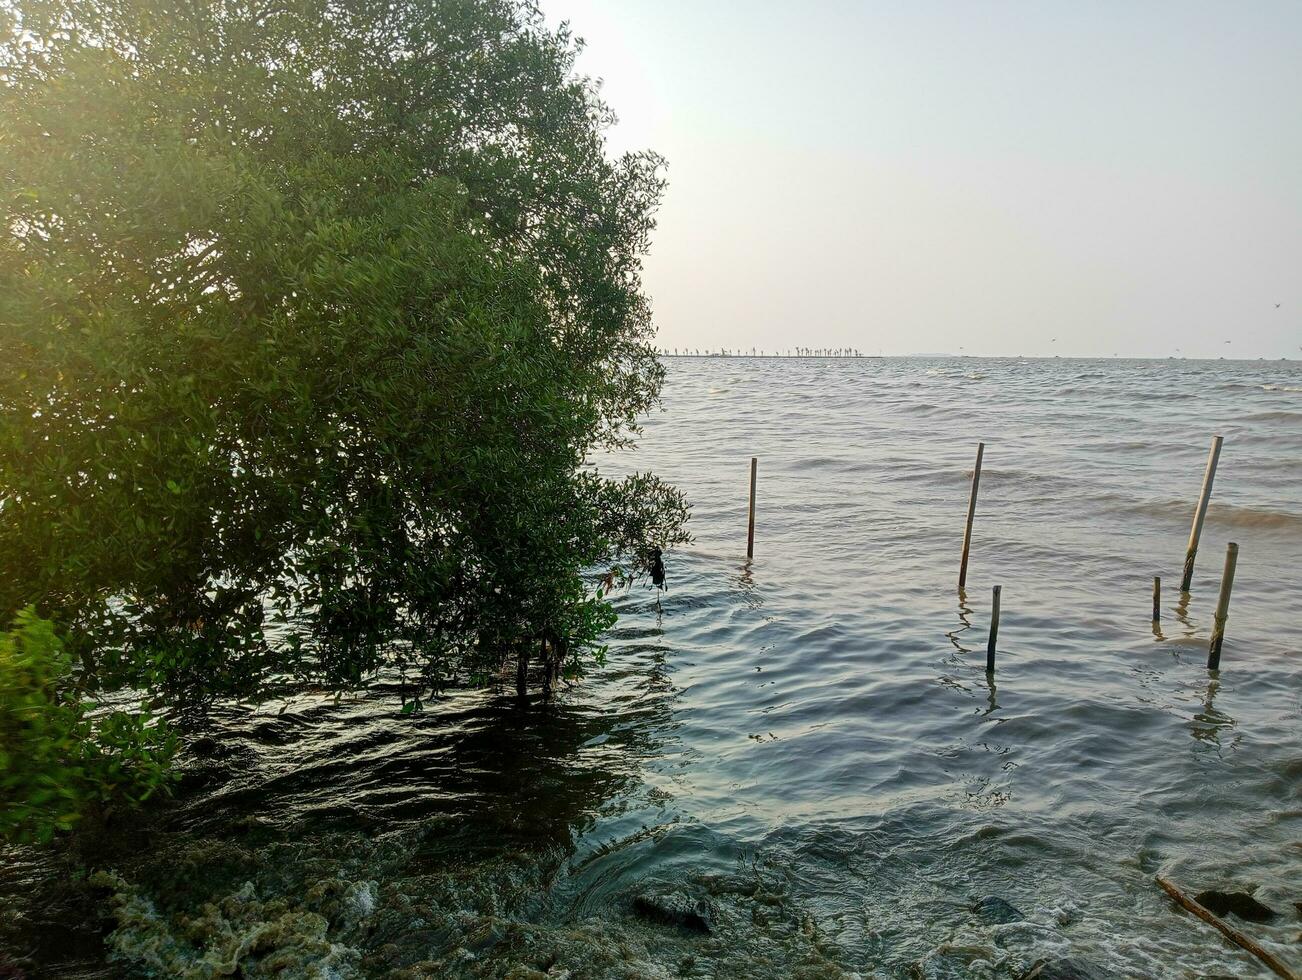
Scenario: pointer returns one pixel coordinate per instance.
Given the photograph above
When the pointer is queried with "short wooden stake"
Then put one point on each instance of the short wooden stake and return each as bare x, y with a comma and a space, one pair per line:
1157, 598
1200, 514
1222, 607
971, 513
750, 531
994, 631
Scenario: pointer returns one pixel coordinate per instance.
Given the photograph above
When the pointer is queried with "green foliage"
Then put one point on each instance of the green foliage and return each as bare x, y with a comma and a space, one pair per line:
311, 317
56, 761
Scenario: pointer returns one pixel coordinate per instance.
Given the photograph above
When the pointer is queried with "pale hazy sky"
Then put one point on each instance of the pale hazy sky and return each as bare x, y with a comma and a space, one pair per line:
918, 176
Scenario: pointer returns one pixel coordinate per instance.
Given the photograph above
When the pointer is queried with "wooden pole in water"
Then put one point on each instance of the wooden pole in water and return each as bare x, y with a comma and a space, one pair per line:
1222, 607
1157, 598
971, 514
1200, 514
994, 631
750, 531
1227, 930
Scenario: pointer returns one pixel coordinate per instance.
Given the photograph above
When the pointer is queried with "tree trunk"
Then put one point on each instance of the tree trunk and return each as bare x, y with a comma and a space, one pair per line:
522, 671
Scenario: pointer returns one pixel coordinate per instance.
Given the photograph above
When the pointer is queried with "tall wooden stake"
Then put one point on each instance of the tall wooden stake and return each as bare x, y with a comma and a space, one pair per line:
1157, 598
971, 514
1222, 607
994, 631
750, 531
1200, 514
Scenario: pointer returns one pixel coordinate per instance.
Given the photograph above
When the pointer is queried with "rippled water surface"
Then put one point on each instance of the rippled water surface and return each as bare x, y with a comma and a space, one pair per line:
807, 743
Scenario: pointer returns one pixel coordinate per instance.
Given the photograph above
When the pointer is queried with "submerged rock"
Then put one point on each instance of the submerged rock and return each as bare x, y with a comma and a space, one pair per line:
1240, 903
208, 747
954, 963
675, 908
1064, 968
996, 911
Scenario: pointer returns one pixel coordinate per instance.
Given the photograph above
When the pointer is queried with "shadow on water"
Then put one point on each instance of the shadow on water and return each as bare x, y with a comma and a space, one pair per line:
481, 785
992, 695
1210, 726
964, 612
747, 588
1182, 614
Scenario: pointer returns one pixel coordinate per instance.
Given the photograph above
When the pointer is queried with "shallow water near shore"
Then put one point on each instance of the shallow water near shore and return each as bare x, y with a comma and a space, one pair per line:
808, 742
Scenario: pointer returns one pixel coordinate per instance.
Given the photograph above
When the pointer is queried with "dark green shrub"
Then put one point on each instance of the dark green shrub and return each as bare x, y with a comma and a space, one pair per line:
56, 760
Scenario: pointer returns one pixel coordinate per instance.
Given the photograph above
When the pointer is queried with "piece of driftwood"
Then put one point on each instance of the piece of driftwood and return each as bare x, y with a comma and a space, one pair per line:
1232, 934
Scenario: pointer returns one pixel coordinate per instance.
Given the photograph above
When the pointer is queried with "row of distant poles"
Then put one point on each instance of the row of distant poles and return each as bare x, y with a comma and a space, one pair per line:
1200, 515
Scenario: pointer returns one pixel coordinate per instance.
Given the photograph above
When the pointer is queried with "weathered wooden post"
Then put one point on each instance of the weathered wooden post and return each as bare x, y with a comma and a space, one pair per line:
1222, 607
994, 631
971, 513
1200, 514
750, 531
1157, 598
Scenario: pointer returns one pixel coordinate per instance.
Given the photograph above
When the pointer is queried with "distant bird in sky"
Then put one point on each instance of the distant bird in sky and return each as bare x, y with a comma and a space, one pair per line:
1277, 306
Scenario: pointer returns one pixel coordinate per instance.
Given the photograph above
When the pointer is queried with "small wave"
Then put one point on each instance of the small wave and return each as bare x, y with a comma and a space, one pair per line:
1254, 517
1075, 390
1276, 416
923, 408
1122, 446
1229, 515
1292, 388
